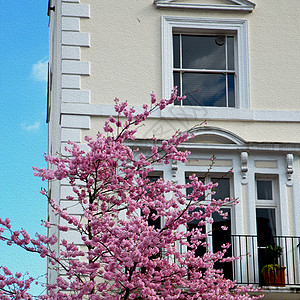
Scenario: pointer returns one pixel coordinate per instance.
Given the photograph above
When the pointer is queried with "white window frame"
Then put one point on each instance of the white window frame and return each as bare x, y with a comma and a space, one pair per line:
267, 203
237, 27
272, 203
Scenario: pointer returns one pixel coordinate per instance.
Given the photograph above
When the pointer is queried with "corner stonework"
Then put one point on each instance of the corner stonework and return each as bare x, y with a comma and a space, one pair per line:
73, 68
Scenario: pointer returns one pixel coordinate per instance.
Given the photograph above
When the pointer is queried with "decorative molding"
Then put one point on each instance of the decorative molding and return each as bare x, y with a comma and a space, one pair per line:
75, 10
233, 5
273, 148
77, 96
206, 162
70, 24
266, 164
290, 165
195, 113
71, 81
69, 134
244, 164
76, 67
70, 53
174, 168
71, 121
70, 38
72, 68
220, 135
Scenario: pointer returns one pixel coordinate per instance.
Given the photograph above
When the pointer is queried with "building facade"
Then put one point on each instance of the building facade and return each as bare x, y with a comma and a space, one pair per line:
238, 64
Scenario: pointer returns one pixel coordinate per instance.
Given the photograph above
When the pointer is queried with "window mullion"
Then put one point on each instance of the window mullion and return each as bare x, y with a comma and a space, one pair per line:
204, 71
180, 65
226, 66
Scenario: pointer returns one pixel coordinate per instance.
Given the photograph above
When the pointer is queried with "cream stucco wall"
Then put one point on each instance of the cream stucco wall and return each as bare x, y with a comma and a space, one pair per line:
125, 56
249, 131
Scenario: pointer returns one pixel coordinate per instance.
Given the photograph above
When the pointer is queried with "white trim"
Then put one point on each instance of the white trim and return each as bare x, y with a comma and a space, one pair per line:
237, 26
76, 67
70, 24
81, 39
71, 52
214, 148
241, 5
75, 1
195, 113
75, 10
221, 134
71, 81
69, 134
267, 203
71, 121
78, 96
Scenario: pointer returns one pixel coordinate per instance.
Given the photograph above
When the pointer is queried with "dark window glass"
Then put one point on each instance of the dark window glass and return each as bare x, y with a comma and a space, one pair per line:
223, 188
204, 89
220, 237
211, 56
264, 189
230, 89
203, 52
230, 52
176, 50
266, 235
266, 226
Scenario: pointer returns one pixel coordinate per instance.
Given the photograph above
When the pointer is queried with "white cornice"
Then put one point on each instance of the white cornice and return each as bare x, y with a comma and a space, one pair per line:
233, 5
189, 113
214, 148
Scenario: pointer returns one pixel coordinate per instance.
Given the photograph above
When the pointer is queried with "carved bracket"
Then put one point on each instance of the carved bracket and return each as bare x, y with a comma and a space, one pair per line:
174, 168
290, 165
244, 164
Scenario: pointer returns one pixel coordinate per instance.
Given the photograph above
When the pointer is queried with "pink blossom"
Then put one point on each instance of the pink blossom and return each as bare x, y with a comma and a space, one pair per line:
123, 255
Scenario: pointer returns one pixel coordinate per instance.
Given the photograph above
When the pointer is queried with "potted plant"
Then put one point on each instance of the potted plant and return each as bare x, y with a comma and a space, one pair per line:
273, 273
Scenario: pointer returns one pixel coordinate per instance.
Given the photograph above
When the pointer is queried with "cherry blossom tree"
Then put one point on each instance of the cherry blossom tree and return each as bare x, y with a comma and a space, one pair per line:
122, 254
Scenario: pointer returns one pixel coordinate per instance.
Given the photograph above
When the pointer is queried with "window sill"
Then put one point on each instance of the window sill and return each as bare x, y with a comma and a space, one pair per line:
225, 113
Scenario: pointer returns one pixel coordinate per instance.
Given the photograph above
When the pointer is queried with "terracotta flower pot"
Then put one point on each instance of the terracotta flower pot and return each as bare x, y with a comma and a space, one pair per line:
274, 277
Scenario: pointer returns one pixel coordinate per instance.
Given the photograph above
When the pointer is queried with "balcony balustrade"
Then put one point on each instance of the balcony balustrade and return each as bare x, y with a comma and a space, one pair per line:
264, 260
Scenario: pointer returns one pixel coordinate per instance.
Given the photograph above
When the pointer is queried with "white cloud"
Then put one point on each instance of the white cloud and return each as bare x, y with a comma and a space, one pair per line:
40, 70
32, 127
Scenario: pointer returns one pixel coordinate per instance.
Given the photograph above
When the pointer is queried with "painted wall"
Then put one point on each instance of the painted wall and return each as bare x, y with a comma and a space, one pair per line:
125, 56
126, 50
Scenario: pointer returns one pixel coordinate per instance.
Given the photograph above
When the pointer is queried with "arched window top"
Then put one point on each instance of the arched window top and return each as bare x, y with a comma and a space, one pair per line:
215, 135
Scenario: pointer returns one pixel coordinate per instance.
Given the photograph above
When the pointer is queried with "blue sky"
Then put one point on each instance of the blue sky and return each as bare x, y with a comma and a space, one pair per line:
23, 128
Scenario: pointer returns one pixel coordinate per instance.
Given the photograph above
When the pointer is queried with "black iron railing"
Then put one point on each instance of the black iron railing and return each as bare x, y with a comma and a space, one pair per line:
264, 260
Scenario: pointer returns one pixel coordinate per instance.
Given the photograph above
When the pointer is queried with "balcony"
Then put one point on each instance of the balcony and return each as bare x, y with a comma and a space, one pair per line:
280, 255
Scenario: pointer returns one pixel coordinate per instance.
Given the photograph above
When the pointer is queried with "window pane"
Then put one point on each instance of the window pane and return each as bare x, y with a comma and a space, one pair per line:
223, 188
230, 90
203, 52
230, 52
176, 78
202, 89
220, 237
264, 189
266, 226
176, 50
